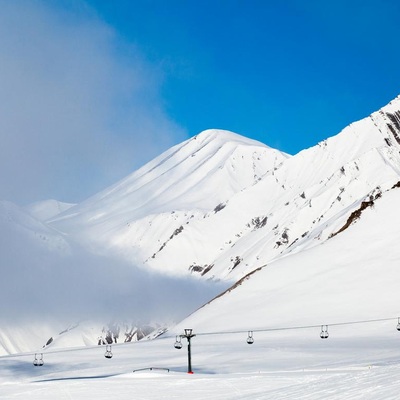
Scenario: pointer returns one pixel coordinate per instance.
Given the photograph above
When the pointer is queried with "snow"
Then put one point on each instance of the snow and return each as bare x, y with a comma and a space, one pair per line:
349, 283
190, 179
17, 225
352, 276
199, 200
43, 210
225, 367
310, 263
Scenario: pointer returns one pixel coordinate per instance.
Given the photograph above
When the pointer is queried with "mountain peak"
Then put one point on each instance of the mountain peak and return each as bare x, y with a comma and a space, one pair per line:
224, 136
395, 103
198, 174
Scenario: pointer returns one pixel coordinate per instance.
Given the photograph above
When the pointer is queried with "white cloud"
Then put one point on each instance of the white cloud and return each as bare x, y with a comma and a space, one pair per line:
79, 108
38, 284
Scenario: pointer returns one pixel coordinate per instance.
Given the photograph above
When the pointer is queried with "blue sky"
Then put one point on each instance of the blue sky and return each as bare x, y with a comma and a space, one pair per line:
91, 90
288, 73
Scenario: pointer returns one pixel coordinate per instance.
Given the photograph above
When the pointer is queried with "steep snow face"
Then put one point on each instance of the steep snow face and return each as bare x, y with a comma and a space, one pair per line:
308, 198
220, 205
299, 204
353, 277
198, 174
317, 164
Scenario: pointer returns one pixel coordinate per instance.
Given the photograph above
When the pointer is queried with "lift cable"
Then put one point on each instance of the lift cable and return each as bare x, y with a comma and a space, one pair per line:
298, 327
72, 349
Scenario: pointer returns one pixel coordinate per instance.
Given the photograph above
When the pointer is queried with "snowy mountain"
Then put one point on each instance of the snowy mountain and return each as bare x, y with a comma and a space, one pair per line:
138, 217
220, 205
353, 276
348, 285
300, 237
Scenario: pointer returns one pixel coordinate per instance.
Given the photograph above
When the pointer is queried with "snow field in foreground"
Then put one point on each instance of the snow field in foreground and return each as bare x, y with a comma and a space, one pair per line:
357, 362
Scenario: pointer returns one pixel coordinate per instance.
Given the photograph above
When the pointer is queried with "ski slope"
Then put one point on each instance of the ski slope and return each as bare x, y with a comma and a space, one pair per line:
293, 365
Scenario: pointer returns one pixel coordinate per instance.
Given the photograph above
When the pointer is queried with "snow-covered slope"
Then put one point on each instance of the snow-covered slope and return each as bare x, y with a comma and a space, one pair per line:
140, 213
304, 201
43, 335
18, 226
220, 205
197, 174
348, 285
351, 277
49, 285
318, 230
43, 210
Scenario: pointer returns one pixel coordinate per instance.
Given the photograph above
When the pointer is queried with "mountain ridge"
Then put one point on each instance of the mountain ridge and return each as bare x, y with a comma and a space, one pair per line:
351, 277
173, 204
220, 206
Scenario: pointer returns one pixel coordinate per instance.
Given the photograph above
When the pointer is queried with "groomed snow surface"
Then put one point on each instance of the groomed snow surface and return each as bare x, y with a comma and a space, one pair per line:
355, 362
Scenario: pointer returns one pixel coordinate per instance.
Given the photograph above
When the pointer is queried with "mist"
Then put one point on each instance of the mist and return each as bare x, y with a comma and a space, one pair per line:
79, 107
46, 279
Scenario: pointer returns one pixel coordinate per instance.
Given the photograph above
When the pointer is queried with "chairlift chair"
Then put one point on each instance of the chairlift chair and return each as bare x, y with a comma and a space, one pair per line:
108, 353
250, 339
178, 342
38, 362
324, 332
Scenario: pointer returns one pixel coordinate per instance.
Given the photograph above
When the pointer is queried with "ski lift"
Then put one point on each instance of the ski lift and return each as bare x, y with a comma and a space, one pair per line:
250, 339
108, 353
398, 324
38, 361
324, 332
178, 342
